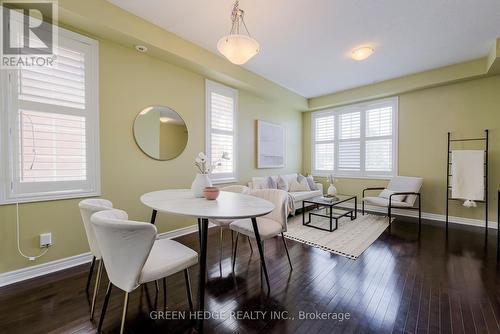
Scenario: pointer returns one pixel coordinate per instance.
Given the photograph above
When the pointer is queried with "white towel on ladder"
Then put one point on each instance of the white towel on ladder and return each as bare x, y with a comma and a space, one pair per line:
467, 174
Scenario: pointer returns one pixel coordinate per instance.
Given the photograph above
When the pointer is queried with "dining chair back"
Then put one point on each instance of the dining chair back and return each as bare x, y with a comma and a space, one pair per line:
87, 208
125, 246
280, 200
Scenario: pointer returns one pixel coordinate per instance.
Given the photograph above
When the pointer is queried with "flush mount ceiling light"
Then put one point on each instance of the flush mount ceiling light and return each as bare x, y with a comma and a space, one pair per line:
164, 119
362, 53
238, 48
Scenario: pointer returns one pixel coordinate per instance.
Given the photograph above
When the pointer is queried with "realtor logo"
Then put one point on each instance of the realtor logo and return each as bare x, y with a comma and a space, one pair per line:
29, 35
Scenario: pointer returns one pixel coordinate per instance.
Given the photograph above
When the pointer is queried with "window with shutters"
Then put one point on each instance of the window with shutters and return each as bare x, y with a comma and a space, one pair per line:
49, 126
357, 140
221, 116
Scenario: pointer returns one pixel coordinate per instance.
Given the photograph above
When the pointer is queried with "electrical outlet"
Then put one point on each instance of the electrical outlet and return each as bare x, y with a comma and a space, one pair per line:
45, 240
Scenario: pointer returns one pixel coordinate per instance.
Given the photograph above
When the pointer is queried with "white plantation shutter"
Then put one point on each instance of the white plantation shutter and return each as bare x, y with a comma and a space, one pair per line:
379, 155
356, 141
221, 106
379, 128
379, 122
52, 125
63, 85
324, 157
349, 143
349, 156
52, 146
324, 135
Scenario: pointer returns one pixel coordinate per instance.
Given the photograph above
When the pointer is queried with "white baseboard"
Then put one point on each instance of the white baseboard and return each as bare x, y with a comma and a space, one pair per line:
73, 261
23, 274
430, 216
43, 269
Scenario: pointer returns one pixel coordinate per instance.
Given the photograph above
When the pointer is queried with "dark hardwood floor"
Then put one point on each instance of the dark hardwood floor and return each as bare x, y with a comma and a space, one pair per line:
398, 285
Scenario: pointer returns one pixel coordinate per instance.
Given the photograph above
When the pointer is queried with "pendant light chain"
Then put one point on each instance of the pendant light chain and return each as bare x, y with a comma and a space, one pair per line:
237, 19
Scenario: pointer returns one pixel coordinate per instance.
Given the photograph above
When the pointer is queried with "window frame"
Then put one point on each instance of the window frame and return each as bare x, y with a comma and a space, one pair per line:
9, 134
212, 86
362, 108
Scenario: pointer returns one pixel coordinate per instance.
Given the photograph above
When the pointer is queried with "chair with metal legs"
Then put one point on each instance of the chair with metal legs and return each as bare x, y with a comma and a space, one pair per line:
401, 193
133, 256
87, 208
223, 224
270, 225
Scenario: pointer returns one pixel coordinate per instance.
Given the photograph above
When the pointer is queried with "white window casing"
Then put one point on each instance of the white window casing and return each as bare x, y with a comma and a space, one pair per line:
221, 131
356, 141
49, 130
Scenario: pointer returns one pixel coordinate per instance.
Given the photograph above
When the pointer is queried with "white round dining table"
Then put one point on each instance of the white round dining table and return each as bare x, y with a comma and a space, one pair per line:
227, 206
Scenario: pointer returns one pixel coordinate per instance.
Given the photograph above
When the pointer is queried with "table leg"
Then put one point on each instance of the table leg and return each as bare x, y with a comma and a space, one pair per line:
261, 252
199, 231
203, 268
355, 207
153, 216
331, 227
303, 214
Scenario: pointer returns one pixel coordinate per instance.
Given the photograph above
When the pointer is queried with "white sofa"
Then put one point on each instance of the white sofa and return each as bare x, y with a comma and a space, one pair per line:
295, 198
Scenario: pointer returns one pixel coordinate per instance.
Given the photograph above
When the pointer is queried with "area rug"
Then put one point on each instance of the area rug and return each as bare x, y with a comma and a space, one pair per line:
351, 238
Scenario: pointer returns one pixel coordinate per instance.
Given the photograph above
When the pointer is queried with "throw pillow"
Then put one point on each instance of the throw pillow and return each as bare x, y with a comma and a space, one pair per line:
271, 183
259, 183
282, 183
311, 183
386, 193
302, 185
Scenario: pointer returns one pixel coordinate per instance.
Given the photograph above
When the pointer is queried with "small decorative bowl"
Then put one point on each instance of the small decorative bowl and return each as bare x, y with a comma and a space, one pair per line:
211, 193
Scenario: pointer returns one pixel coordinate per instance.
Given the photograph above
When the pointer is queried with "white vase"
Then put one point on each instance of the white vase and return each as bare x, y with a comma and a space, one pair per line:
200, 181
332, 191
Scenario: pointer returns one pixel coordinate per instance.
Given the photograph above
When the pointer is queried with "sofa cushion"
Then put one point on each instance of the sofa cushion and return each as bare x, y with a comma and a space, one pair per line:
283, 183
299, 184
302, 195
271, 183
312, 184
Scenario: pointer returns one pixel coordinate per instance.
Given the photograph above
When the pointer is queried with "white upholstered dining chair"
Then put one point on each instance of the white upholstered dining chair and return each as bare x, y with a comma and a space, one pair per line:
270, 225
401, 193
87, 208
133, 255
224, 223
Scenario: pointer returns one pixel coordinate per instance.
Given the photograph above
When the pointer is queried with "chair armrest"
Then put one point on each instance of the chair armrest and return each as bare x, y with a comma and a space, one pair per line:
320, 186
375, 188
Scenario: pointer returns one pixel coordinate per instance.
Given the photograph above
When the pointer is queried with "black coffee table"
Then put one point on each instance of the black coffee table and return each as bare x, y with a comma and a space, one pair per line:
329, 205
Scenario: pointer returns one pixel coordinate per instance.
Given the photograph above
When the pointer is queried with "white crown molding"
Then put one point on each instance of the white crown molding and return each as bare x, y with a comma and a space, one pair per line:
26, 273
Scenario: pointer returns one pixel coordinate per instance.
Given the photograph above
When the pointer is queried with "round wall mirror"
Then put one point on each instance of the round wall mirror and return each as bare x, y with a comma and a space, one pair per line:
160, 132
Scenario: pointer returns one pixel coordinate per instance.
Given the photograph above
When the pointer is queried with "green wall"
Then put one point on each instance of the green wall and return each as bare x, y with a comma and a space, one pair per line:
425, 117
129, 82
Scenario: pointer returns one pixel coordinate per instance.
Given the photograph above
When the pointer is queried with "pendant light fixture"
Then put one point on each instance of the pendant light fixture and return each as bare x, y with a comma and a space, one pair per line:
236, 47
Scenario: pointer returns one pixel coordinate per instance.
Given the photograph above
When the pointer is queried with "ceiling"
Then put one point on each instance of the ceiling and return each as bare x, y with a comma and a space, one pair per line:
306, 44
